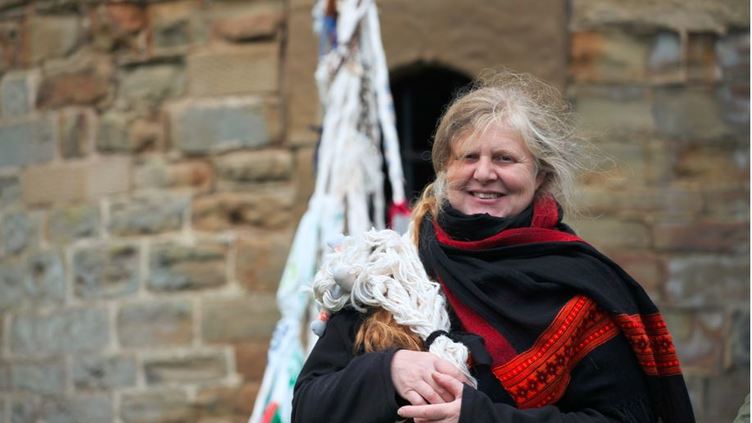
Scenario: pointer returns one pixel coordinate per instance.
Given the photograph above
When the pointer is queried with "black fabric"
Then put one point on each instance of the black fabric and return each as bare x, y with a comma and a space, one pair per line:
473, 227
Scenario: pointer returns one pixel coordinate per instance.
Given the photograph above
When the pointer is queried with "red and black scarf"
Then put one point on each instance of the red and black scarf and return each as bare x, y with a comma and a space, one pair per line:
506, 279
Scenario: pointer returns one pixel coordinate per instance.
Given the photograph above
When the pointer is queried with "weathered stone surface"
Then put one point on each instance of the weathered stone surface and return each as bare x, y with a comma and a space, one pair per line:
76, 180
112, 136
304, 177
46, 377
264, 209
146, 135
225, 403
702, 63
24, 408
605, 111
45, 277
17, 232
255, 166
65, 331
143, 88
103, 372
727, 203
637, 202
174, 26
10, 189
608, 56
698, 337
708, 280
175, 267
194, 368
733, 57
611, 233
206, 126
739, 339
301, 97
27, 140
50, 36
77, 128
239, 319
126, 17
230, 70
164, 405
709, 236
147, 215
665, 59
65, 224
82, 80
10, 44
689, 113
260, 260
80, 408
647, 269
250, 359
192, 175
713, 165
241, 22
688, 15
11, 283
18, 92
725, 394
106, 271
156, 323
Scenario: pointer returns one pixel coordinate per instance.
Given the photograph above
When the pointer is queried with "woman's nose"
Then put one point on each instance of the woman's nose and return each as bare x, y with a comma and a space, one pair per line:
484, 170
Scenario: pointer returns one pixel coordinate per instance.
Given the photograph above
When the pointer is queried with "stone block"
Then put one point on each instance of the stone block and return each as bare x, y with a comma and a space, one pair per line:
17, 232
45, 277
76, 180
177, 267
155, 324
674, 202
702, 236
262, 208
250, 360
301, 94
10, 189
704, 280
727, 203
304, 177
24, 408
211, 126
112, 134
148, 215
50, 36
613, 234
126, 17
152, 406
106, 271
77, 129
687, 15
647, 269
225, 403
732, 51
143, 88
665, 58
701, 60
81, 80
713, 165
92, 372
247, 22
64, 331
698, 337
27, 140
197, 368
254, 166
725, 394
47, 378
233, 70
11, 283
250, 318
260, 260
11, 41
146, 135
18, 92
739, 339
191, 175
689, 113
608, 56
66, 224
79, 408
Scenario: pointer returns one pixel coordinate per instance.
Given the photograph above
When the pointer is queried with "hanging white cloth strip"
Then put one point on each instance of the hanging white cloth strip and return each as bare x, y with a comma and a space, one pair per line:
348, 196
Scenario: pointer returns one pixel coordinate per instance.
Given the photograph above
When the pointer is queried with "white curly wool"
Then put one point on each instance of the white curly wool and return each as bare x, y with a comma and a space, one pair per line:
382, 269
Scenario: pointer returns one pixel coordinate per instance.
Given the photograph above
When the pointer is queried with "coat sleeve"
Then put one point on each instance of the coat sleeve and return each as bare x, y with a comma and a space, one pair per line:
334, 386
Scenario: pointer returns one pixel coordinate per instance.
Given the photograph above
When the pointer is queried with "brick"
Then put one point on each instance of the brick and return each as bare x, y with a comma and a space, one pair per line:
27, 140
50, 36
262, 208
45, 277
689, 113
739, 339
250, 69
163, 405
608, 56
234, 23
210, 126
225, 403
17, 232
175, 26
155, 324
77, 129
64, 331
46, 377
708, 236
75, 180
93, 372
725, 394
698, 337
143, 88
250, 360
82, 80
689, 277
79, 408
191, 175
66, 224
665, 59
260, 260
106, 271
18, 92
255, 166
197, 368
239, 319
148, 215
177, 267
613, 234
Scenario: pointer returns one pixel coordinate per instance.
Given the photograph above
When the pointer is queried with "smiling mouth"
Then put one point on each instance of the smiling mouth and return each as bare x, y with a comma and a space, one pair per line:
486, 195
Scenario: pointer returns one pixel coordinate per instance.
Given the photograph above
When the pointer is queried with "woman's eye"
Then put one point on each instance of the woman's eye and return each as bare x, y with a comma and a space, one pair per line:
470, 157
504, 158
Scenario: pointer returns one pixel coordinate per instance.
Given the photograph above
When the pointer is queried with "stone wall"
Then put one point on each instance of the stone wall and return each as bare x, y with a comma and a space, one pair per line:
155, 157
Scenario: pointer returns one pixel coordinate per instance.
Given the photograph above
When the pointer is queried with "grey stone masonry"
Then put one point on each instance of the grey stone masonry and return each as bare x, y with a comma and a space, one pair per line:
44, 280
91, 372
18, 93
66, 224
27, 140
149, 215
47, 377
175, 267
196, 368
255, 166
16, 232
239, 319
65, 331
163, 405
155, 324
11, 283
106, 271
79, 408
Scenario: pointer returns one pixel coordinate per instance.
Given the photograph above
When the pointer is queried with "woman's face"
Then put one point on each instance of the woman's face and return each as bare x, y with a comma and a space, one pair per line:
491, 172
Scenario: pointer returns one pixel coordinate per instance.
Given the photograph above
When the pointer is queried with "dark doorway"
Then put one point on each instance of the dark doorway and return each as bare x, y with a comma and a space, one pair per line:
421, 92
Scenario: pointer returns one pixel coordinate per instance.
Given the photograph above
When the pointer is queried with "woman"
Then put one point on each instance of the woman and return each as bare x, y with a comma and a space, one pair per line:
557, 331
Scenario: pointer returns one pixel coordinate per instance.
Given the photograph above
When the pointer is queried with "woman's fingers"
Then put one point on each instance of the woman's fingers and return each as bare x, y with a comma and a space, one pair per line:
414, 398
451, 385
426, 412
450, 369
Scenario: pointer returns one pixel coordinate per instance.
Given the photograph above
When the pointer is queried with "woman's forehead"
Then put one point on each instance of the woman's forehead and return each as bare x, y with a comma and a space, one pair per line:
500, 135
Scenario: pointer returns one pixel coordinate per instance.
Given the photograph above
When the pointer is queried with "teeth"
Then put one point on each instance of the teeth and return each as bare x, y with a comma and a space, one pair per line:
487, 195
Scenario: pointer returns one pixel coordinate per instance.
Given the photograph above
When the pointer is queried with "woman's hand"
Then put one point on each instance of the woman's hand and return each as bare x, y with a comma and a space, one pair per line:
412, 375
448, 412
